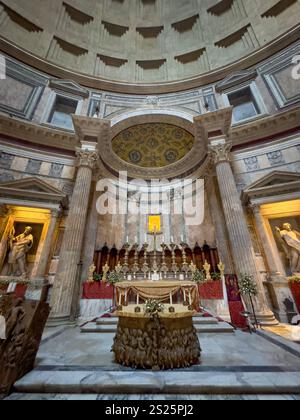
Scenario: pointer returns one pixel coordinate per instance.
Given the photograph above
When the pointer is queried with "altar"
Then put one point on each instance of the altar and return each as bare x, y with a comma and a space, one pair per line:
163, 291
164, 338
168, 341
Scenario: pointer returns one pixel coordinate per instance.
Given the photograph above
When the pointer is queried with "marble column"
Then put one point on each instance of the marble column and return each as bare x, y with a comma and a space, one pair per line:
273, 260
217, 214
278, 285
8, 225
3, 218
39, 270
67, 276
241, 243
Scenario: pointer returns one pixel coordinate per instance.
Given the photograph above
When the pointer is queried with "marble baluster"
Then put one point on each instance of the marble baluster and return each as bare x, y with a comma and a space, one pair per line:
241, 243
67, 274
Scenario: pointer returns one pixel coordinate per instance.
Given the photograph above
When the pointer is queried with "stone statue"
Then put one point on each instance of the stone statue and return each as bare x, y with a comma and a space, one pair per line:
19, 247
290, 240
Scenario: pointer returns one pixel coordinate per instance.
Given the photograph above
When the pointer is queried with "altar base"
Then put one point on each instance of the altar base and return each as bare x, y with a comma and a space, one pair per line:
166, 342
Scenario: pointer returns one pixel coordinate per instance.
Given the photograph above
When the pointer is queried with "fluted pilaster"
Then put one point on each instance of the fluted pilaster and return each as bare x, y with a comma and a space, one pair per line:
39, 271
67, 274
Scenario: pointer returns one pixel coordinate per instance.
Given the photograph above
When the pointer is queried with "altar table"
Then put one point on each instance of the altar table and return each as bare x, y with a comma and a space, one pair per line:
168, 341
162, 291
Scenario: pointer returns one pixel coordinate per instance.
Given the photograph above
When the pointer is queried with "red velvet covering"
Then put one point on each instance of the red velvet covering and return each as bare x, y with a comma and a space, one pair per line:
19, 292
97, 290
212, 290
235, 302
235, 312
295, 288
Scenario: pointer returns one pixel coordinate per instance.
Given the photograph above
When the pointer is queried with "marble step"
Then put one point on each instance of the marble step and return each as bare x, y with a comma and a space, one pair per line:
171, 382
201, 326
196, 320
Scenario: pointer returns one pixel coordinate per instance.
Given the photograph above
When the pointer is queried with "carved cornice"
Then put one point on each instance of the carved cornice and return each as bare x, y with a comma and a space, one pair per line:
264, 128
37, 134
91, 129
213, 124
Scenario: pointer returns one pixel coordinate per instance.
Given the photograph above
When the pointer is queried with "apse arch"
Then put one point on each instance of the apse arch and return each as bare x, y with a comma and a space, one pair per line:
190, 162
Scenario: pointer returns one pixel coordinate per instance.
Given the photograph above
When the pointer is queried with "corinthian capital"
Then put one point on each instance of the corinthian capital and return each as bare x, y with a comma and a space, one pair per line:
220, 152
87, 158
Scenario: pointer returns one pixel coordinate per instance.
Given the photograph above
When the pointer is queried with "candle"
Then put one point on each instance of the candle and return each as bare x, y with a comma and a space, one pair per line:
127, 239
172, 239
184, 295
171, 299
190, 298
126, 295
120, 299
182, 239
138, 299
136, 239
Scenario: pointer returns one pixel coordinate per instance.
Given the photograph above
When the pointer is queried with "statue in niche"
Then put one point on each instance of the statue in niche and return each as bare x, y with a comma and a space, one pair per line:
290, 240
19, 246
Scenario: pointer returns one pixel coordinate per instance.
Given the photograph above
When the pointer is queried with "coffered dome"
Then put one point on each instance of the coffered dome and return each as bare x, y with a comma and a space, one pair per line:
142, 42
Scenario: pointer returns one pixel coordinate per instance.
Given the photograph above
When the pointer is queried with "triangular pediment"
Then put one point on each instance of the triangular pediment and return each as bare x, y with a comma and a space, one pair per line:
69, 86
273, 184
276, 178
33, 189
236, 78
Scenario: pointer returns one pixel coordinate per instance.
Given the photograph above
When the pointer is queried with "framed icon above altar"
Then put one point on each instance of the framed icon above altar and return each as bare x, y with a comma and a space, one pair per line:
154, 224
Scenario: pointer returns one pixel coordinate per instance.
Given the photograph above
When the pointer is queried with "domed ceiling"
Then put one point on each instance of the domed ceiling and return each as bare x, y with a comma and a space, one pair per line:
142, 42
153, 145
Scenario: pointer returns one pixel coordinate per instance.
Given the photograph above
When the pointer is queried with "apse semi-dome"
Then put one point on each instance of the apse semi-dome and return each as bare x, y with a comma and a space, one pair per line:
143, 42
153, 145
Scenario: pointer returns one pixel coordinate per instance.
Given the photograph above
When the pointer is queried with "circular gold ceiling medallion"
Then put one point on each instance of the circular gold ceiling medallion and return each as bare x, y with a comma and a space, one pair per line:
153, 145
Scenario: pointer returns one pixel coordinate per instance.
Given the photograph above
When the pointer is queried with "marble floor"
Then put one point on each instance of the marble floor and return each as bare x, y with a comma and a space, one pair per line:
71, 349
71, 366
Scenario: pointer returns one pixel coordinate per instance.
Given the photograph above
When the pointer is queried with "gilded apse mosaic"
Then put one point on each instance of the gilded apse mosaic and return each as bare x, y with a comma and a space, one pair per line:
153, 145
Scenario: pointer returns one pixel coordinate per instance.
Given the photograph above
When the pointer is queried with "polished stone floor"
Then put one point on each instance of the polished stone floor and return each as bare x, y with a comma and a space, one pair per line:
72, 365
71, 349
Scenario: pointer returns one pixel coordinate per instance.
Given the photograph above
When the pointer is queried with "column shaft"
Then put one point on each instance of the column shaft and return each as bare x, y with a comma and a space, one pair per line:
67, 274
39, 271
220, 227
241, 243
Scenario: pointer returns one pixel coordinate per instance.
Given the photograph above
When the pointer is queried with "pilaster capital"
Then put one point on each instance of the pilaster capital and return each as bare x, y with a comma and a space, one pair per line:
254, 207
87, 158
220, 152
56, 213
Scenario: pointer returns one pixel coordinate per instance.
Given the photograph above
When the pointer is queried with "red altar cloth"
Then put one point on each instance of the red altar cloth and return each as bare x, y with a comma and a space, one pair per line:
212, 290
295, 289
97, 290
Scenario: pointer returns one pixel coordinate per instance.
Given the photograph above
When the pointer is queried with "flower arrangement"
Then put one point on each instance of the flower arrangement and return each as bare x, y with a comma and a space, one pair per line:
199, 277
247, 285
153, 307
97, 277
216, 276
294, 279
113, 278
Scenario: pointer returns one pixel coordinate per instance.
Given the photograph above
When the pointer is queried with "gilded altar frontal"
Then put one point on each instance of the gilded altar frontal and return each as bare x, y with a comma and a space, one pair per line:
149, 202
